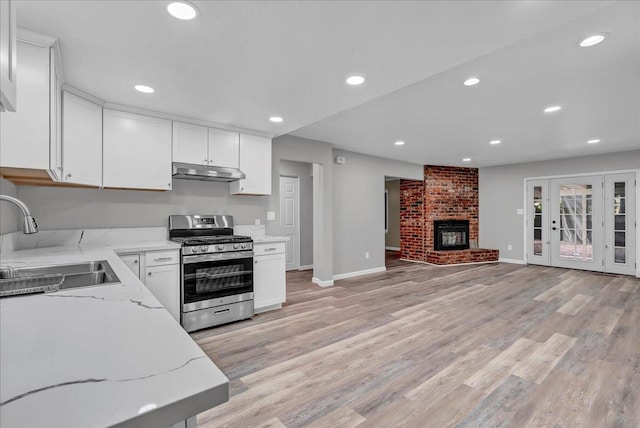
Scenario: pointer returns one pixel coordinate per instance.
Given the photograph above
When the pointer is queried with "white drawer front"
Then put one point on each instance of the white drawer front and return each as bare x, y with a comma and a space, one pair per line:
157, 258
268, 248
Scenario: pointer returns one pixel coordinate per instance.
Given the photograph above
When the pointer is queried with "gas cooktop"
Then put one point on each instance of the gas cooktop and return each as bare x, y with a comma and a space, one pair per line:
210, 240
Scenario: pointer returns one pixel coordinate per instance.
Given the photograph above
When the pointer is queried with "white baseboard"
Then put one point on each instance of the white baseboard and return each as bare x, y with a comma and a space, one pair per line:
321, 283
392, 248
307, 267
359, 273
513, 261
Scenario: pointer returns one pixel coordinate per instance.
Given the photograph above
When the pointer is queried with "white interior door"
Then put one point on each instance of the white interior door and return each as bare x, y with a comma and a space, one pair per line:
577, 224
289, 219
537, 224
620, 223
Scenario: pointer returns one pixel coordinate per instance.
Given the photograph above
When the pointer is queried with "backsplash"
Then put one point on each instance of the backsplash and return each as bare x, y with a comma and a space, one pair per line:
80, 237
254, 231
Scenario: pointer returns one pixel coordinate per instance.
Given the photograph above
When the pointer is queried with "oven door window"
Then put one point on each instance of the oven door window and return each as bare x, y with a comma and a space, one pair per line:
215, 279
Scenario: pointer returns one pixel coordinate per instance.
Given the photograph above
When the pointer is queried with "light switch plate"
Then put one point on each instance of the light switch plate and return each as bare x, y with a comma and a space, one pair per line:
271, 215
520, 211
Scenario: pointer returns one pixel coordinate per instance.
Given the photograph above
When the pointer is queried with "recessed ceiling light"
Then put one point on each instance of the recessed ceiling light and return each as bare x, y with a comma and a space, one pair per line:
494, 142
552, 109
399, 143
182, 10
466, 160
144, 89
592, 40
276, 119
596, 141
471, 81
355, 80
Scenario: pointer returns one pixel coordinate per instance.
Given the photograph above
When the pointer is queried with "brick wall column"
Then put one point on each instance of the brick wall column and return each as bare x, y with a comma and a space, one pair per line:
412, 220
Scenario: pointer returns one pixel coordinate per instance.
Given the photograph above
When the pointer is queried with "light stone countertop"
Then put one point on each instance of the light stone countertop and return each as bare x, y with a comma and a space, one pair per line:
107, 355
265, 239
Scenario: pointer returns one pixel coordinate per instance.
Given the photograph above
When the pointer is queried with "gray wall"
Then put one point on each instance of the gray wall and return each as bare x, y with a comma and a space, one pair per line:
304, 172
69, 208
502, 193
289, 147
358, 215
392, 237
10, 216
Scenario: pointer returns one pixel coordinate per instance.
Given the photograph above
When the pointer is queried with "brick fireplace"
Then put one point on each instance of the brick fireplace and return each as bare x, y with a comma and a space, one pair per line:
446, 194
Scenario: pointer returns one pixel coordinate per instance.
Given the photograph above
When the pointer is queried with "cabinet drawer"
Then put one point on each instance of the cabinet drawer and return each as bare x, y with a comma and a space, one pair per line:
268, 248
157, 258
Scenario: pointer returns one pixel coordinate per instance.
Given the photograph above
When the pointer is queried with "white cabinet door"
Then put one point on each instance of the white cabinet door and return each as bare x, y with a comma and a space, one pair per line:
269, 280
133, 263
8, 88
55, 129
255, 162
190, 143
224, 148
164, 284
136, 151
82, 141
25, 133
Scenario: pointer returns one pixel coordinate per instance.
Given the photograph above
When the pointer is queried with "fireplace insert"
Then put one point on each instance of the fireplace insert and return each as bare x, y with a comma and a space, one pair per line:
451, 235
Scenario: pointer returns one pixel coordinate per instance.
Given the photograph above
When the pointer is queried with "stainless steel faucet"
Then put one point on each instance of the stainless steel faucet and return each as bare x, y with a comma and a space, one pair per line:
29, 224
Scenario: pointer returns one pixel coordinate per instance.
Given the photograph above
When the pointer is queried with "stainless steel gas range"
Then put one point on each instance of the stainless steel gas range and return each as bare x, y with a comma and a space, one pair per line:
217, 270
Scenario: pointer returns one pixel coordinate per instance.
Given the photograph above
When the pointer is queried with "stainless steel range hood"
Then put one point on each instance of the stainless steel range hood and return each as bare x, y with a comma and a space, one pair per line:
188, 171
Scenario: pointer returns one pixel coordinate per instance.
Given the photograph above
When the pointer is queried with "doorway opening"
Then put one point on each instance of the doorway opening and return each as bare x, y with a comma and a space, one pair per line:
583, 222
296, 213
391, 219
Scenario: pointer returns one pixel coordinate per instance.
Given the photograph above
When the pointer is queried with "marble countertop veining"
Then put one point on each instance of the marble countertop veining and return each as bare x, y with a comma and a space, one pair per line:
107, 355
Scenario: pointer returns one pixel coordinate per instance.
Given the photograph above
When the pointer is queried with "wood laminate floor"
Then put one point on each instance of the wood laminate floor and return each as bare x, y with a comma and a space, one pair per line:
424, 346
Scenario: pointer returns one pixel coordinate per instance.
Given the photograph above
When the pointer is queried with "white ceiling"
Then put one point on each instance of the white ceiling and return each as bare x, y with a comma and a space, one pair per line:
241, 62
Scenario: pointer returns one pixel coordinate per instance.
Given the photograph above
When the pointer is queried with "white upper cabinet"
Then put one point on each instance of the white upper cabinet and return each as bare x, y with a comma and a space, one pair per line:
55, 128
224, 148
25, 134
136, 151
255, 162
190, 143
205, 146
81, 141
8, 56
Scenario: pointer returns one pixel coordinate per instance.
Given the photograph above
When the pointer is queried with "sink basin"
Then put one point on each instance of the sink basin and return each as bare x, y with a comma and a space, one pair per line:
55, 277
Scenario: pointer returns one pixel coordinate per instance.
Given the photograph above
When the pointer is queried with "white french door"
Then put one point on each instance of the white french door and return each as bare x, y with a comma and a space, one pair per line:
620, 223
583, 222
577, 224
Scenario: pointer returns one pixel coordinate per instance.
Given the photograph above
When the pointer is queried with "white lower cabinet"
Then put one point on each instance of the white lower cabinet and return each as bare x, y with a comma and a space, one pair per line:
133, 263
164, 284
160, 272
269, 277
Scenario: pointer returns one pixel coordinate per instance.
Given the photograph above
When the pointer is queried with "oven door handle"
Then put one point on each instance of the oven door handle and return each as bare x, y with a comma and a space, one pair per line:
217, 257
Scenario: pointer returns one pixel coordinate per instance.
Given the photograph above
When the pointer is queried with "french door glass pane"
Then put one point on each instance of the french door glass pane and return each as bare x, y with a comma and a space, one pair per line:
576, 224
537, 220
619, 222
620, 255
619, 239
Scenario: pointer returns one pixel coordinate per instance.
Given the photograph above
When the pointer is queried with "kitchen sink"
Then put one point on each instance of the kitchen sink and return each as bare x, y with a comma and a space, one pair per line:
24, 280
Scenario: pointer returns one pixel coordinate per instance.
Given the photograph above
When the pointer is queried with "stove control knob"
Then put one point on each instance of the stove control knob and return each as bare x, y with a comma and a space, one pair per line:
220, 247
243, 246
236, 246
204, 248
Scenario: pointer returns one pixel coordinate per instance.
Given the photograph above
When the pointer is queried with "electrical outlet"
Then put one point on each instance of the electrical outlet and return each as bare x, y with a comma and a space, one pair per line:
509, 247
366, 254
271, 215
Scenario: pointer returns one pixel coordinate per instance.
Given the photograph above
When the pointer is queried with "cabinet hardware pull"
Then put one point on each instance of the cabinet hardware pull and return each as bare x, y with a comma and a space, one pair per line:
162, 259
135, 262
270, 249
149, 273
224, 311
